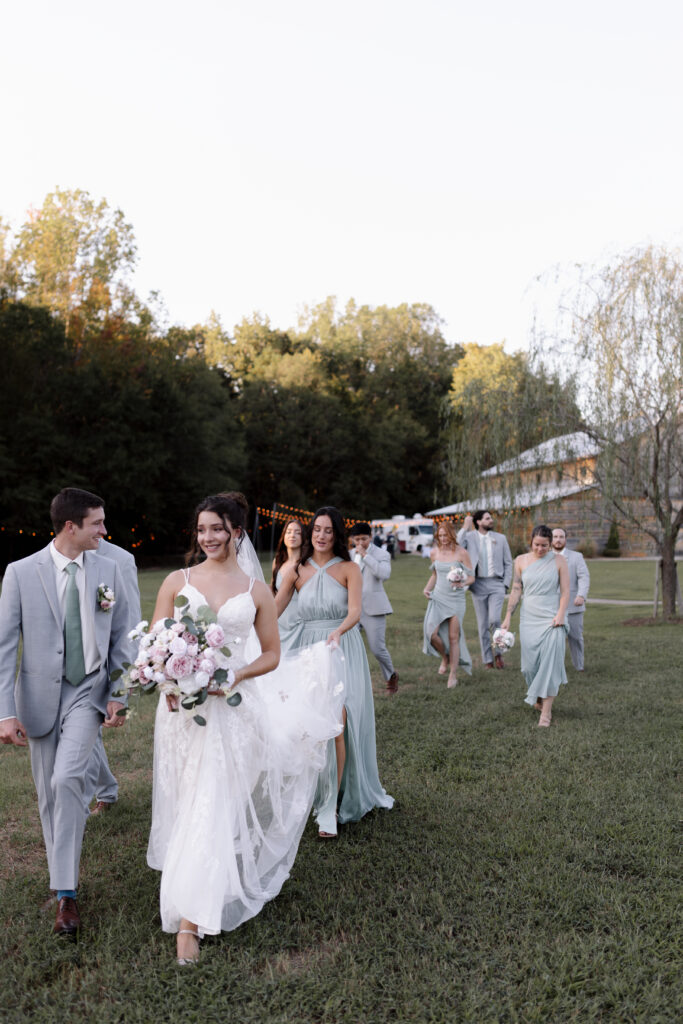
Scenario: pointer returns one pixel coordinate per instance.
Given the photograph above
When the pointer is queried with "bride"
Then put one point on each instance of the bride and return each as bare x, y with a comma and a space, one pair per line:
231, 798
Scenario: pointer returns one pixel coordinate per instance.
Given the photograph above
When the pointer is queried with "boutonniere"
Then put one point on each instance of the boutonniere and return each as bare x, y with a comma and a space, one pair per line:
106, 598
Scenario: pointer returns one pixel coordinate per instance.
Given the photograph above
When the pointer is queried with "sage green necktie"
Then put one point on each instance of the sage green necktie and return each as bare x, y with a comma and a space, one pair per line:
74, 662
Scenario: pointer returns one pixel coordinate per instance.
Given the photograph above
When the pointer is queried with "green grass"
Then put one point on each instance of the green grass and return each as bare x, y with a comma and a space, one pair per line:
525, 875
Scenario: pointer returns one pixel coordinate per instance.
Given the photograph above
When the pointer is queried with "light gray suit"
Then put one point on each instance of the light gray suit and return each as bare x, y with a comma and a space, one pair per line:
488, 592
375, 568
579, 584
100, 782
62, 721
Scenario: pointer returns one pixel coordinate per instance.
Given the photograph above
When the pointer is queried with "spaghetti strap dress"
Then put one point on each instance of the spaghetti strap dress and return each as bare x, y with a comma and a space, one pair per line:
289, 623
542, 643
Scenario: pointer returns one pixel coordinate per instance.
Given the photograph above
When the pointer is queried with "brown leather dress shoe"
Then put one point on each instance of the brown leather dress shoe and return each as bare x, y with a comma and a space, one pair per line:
101, 807
68, 920
488, 664
499, 661
392, 683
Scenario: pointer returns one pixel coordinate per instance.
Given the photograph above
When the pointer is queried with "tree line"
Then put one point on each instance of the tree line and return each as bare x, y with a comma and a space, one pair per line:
368, 408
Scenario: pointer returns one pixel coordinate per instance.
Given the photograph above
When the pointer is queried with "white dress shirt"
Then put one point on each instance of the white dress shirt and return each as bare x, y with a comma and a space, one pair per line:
91, 655
485, 541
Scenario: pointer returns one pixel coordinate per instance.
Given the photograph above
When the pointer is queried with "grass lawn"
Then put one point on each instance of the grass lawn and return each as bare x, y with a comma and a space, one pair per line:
524, 875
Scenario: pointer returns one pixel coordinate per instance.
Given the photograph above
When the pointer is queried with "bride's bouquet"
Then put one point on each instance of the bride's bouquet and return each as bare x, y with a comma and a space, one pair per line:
456, 575
503, 640
185, 657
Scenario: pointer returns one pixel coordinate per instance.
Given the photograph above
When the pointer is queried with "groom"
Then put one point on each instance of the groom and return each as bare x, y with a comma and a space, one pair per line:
71, 647
492, 567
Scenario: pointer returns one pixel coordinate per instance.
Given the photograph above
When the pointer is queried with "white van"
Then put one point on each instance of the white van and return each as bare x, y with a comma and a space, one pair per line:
412, 533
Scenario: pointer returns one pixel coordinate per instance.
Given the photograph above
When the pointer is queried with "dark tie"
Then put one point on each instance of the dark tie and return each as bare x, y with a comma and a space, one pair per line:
74, 661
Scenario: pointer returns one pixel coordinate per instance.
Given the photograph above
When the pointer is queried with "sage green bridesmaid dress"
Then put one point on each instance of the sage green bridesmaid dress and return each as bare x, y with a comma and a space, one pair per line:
289, 623
323, 605
443, 604
542, 643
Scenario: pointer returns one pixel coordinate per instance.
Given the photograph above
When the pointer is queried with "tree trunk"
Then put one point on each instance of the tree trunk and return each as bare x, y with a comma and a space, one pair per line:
669, 579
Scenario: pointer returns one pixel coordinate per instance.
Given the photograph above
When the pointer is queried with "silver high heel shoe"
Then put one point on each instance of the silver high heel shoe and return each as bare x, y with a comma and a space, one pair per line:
188, 961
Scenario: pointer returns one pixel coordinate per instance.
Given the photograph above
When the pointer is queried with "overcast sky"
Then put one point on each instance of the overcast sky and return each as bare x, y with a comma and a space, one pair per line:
269, 154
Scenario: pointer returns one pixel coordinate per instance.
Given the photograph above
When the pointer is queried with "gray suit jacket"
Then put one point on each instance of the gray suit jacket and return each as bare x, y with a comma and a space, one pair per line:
30, 611
502, 559
129, 575
375, 567
579, 580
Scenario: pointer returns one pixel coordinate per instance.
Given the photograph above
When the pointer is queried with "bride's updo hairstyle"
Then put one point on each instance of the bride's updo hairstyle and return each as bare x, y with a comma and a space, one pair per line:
340, 548
232, 507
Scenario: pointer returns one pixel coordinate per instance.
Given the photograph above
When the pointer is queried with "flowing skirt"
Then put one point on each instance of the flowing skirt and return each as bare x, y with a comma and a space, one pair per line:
231, 798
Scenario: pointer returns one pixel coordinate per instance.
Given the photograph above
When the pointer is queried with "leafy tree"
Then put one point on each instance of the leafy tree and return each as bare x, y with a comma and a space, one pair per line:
498, 406
626, 326
75, 256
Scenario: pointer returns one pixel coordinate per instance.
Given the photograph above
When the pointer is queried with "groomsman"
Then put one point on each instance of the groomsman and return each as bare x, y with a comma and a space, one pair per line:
100, 781
71, 645
492, 567
375, 567
579, 582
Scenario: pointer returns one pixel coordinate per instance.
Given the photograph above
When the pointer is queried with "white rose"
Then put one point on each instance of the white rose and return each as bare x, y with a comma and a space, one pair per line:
177, 646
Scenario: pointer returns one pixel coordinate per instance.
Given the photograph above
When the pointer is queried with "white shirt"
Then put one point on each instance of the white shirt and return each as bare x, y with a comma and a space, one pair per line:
91, 655
485, 540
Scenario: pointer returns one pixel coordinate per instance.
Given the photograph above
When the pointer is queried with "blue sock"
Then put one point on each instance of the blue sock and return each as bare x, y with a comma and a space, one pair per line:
61, 893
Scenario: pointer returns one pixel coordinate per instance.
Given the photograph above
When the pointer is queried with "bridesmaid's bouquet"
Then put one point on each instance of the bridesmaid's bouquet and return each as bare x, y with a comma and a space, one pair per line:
456, 575
184, 657
503, 640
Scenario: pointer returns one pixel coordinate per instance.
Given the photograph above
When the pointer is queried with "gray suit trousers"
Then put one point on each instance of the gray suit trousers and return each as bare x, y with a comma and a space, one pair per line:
375, 627
575, 638
100, 781
59, 761
488, 594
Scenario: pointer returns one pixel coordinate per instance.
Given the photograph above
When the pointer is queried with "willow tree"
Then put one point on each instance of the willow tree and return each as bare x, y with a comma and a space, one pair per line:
626, 322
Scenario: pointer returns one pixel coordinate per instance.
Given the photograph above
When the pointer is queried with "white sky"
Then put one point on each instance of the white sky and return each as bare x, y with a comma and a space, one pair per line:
271, 153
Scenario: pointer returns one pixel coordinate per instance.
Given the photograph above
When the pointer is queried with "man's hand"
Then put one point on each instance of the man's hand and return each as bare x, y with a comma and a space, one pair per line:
578, 601
13, 732
112, 719
469, 523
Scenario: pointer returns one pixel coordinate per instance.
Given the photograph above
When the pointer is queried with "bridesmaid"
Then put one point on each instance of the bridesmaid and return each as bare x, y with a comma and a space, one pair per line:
288, 556
443, 633
329, 587
543, 576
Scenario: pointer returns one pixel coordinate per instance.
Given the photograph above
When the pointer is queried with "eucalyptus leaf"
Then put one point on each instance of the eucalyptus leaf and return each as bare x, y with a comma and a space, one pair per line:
235, 699
206, 614
122, 712
181, 600
226, 652
220, 675
199, 720
168, 623
202, 696
189, 625
189, 702
116, 674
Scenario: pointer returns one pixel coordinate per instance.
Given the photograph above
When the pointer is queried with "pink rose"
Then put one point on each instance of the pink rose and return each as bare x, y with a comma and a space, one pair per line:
179, 665
207, 665
215, 637
177, 646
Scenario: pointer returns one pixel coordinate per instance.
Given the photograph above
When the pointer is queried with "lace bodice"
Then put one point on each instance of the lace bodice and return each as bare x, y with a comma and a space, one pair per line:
236, 617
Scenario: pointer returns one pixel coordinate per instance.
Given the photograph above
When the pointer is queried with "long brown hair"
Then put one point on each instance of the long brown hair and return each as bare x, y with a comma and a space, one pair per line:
339, 549
281, 553
232, 507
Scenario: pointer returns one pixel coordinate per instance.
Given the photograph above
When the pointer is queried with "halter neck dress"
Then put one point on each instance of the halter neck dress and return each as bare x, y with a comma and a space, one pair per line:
323, 605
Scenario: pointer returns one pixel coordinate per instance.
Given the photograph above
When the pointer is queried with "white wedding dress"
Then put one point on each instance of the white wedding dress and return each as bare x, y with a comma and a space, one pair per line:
231, 798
